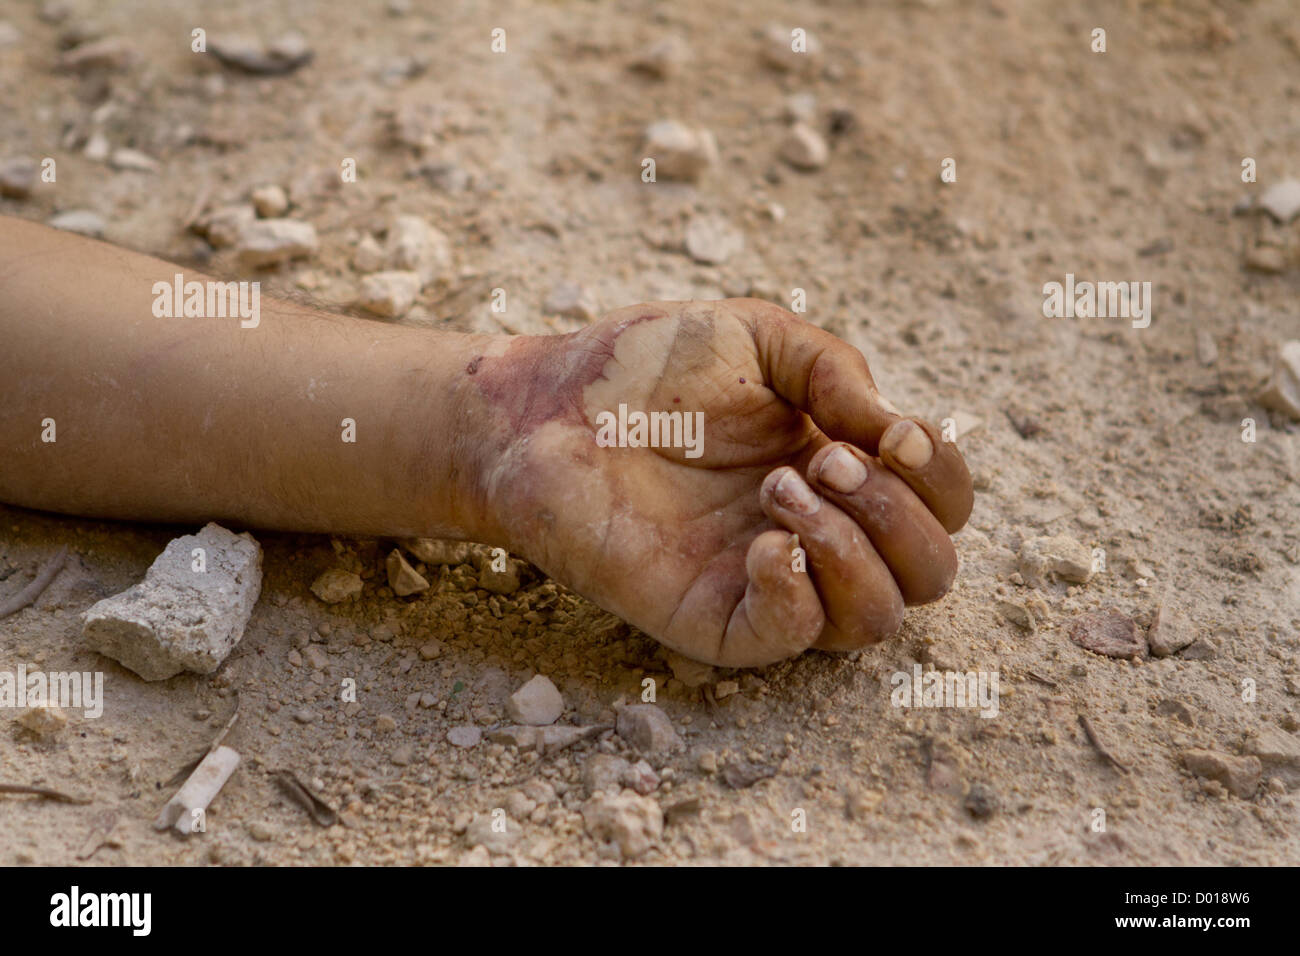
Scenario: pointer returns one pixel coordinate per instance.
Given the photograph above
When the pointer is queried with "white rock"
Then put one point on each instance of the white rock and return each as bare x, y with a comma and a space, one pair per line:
182, 618
664, 58
268, 242
1282, 200
631, 822
804, 148
438, 551
495, 832
415, 246
712, 239
9, 35
647, 728
800, 108
369, 256
97, 148
110, 53
133, 159
44, 723
270, 201
81, 221
779, 50
690, 672
465, 736
1060, 555
1282, 393
403, 578
390, 294
222, 226
572, 301
537, 703
337, 585
679, 151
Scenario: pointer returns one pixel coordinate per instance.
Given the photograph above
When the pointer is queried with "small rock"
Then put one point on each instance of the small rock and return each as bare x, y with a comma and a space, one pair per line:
110, 53
647, 728
631, 822
501, 582
44, 723
436, 551
1170, 630
336, 586
271, 201
261, 831
385, 724
415, 246
181, 618
430, 650
9, 35
981, 802
389, 294
17, 177
680, 151
97, 148
402, 755
537, 703
222, 226
81, 221
712, 240
571, 301
282, 55
641, 778
604, 773
1176, 709
1061, 556
725, 689
544, 739
315, 657
1201, 649
1268, 259
1018, 614
496, 832
1282, 200
1207, 350
305, 715
369, 256
690, 672
133, 160
664, 58
465, 735
1282, 393
403, 578
269, 242
1279, 753
780, 54
1241, 775
804, 148
740, 776
1109, 633
800, 108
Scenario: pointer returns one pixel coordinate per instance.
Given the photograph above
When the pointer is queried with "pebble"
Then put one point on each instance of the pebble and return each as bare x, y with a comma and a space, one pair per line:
305, 715
81, 221
981, 802
572, 301
369, 256
739, 776
282, 55
1170, 631
271, 201
1282, 393
641, 777
9, 35
1241, 775
437, 551
537, 703
415, 246
44, 723
647, 728
222, 226
779, 54
403, 578
1268, 259
337, 585
630, 822
402, 755
315, 657
1018, 614
725, 689
261, 831
17, 177
664, 58
1279, 752
1207, 350
1282, 200
133, 160
804, 148
604, 773
1202, 649
385, 724
800, 108
465, 735
501, 582
495, 833
712, 240
680, 152
1109, 633
1176, 709
178, 620
690, 672
547, 739
431, 650
1062, 556
110, 53
269, 242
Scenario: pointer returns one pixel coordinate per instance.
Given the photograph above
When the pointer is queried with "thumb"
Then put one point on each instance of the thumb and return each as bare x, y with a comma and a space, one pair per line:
818, 373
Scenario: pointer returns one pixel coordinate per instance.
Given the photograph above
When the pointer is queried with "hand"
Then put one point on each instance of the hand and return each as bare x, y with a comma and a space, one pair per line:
698, 546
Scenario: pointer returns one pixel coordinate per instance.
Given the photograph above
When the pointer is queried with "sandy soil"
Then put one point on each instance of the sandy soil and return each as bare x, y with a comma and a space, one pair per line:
1116, 166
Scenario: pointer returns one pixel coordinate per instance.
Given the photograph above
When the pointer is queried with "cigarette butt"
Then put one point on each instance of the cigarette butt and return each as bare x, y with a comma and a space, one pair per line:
198, 791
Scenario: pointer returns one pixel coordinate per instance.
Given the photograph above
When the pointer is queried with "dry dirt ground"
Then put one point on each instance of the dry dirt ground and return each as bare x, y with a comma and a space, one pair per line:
1122, 165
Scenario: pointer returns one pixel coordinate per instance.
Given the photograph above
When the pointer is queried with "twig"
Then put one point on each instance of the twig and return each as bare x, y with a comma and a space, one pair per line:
1041, 679
1101, 748
322, 813
42, 792
38, 584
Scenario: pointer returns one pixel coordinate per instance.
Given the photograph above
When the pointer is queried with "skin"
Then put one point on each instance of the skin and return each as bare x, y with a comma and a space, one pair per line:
813, 516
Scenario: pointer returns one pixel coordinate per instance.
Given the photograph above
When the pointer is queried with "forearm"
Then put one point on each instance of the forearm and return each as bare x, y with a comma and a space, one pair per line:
191, 419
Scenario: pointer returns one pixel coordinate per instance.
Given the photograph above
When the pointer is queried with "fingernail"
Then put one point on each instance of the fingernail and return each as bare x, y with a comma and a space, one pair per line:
908, 444
841, 471
792, 492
